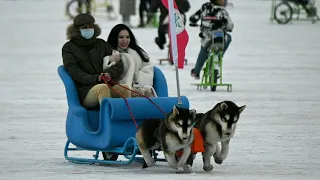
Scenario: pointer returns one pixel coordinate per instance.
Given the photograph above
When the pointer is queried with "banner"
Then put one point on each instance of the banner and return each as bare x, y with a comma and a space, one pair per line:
178, 38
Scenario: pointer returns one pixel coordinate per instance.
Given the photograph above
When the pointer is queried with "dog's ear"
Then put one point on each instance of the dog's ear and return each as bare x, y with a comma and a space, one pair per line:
223, 106
193, 114
175, 111
241, 109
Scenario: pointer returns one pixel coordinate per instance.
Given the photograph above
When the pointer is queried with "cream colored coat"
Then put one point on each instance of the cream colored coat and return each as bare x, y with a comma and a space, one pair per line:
136, 71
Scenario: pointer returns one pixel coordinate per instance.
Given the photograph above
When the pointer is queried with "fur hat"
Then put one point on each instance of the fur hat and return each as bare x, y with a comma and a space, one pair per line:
82, 19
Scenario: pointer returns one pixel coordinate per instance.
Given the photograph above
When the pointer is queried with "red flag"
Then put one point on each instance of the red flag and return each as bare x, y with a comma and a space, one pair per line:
181, 34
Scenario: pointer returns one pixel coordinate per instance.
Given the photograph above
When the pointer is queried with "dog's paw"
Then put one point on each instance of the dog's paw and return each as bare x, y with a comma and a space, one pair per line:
150, 162
179, 170
187, 168
218, 160
144, 165
208, 168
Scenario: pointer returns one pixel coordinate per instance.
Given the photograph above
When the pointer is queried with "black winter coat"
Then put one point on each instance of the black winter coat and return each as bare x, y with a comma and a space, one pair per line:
83, 60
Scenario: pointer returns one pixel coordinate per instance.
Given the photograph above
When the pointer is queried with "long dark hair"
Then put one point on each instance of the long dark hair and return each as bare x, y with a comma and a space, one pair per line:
113, 40
215, 2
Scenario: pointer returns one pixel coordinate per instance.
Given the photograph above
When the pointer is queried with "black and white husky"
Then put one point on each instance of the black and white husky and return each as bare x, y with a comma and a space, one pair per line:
172, 134
218, 125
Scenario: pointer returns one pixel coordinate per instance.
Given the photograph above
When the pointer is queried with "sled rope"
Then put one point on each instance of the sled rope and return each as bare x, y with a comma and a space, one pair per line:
104, 78
122, 96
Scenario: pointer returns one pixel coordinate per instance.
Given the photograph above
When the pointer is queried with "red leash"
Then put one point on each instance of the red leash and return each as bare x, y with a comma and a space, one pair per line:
104, 78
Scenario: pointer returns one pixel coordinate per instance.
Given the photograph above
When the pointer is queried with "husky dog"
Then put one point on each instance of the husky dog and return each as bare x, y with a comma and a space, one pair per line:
172, 134
218, 125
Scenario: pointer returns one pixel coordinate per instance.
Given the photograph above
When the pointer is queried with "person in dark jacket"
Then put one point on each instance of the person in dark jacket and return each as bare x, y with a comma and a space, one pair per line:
83, 57
87, 3
143, 8
183, 6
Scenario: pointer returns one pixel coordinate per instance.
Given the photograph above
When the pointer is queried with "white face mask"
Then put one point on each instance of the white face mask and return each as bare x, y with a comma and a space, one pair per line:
87, 33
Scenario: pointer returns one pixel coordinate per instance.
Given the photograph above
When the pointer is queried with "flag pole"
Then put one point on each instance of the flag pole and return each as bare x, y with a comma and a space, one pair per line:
173, 44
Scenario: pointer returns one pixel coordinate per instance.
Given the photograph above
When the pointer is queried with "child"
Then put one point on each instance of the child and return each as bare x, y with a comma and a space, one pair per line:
213, 16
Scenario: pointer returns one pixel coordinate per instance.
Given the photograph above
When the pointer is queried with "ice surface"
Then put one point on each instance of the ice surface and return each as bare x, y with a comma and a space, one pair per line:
274, 70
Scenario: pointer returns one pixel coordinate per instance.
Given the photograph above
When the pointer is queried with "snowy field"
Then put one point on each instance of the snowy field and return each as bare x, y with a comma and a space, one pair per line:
273, 68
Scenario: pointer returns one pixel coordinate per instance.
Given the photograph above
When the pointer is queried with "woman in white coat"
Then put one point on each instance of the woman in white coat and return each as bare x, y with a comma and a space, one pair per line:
138, 72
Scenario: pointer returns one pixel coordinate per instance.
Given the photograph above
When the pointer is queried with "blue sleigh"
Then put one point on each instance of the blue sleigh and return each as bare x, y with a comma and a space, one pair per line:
111, 128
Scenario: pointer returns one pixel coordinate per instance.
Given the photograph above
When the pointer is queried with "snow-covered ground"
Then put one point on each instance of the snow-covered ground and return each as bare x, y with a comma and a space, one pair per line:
273, 68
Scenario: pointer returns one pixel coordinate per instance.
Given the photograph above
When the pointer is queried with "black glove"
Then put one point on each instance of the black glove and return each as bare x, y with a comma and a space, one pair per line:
201, 35
194, 19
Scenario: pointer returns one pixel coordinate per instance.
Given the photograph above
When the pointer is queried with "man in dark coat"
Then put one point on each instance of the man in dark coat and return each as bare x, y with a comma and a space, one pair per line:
83, 57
